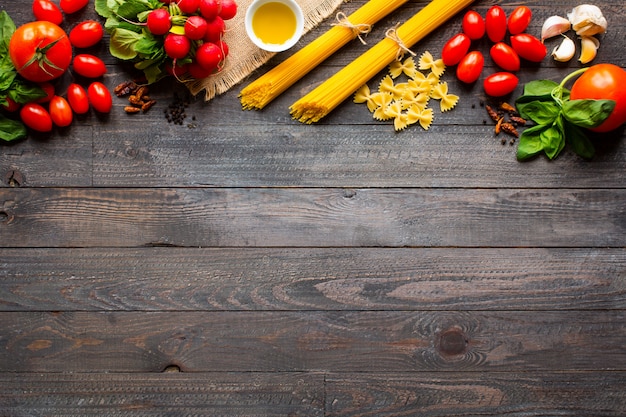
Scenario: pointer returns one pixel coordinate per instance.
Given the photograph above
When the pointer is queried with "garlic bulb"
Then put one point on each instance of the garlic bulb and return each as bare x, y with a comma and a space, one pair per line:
588, 49
553, 26
587, 20
565, 51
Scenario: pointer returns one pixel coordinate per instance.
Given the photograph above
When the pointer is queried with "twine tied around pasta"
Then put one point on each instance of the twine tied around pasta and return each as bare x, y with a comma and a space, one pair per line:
358, 29
402, 48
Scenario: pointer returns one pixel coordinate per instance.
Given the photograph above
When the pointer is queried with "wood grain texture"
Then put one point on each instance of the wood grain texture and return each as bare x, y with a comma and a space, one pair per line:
476, 394
312, 217
162, 394
376, 341
292, 279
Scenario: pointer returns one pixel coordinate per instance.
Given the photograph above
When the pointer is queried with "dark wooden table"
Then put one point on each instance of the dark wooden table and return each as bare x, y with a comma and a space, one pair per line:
246, 264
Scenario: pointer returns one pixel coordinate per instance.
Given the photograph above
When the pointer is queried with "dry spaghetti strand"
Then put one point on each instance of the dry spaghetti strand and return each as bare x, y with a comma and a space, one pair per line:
322, 100
266, 88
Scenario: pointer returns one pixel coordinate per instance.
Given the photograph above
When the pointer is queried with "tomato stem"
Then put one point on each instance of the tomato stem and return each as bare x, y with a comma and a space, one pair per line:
557, 93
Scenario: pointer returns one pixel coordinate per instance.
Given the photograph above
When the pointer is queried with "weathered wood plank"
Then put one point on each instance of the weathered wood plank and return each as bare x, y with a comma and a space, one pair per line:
587, 394
162, 394
360, 341
312, 217
175, 279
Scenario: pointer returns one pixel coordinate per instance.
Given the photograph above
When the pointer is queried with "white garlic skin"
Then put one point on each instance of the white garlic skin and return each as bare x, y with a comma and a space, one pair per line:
587, 20
553, 26
565, 51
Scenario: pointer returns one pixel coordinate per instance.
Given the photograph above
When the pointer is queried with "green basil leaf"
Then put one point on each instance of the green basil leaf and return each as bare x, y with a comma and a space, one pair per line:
7, 27
579, 141
539, 87
553, 139
22, 92
11, 129
587, 113
540, 112
530, 142
122, 43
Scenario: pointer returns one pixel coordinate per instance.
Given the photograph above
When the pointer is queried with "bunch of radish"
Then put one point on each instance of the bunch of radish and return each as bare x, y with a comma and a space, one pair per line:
192, 32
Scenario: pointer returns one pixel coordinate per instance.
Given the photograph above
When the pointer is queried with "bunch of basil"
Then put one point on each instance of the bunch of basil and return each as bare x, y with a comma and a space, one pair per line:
12, 86
558, 119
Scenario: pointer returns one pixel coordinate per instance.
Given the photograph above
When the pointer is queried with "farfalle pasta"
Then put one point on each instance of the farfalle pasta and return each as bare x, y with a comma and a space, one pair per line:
405, 93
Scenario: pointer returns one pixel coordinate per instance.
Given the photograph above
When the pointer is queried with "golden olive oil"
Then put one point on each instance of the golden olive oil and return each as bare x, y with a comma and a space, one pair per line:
274, 23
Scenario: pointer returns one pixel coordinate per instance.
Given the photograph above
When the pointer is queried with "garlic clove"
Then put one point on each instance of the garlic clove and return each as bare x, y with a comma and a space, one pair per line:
565, 51
588, 49
587, 20
553, 26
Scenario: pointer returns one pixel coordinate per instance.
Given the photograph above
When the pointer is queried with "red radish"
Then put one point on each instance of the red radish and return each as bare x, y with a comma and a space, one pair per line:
210, 9
215, 30
176, 46
198, 72
159, 22
195, 27
188, 6
229, 9
224, 47
209, 56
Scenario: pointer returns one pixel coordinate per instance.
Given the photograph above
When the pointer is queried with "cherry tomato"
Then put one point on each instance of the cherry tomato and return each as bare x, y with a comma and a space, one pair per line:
47, 88
495, 23
60, 111
505, 57
86, 34
48, 11
77, 97
519, 20
470, 67
36, 117
473, 25
89, 66
100, 97
9, 105
500, 84
604, 81
529, 47
72, 6
40, 51
455, 49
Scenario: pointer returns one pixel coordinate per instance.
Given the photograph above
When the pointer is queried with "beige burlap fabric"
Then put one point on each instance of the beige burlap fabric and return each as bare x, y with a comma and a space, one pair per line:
244, 56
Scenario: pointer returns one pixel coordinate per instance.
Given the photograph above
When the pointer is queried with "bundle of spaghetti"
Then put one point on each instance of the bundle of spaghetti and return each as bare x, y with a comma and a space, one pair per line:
327, 96
266, 88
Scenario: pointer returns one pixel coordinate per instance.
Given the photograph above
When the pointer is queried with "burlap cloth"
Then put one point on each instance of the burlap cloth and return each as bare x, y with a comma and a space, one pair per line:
244, 56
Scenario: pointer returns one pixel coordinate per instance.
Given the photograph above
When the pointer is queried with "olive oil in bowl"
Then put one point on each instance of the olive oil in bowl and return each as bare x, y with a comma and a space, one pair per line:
274, 25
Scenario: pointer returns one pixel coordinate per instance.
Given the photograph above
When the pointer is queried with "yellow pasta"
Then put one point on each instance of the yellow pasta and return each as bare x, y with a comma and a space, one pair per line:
266, 88
322, 100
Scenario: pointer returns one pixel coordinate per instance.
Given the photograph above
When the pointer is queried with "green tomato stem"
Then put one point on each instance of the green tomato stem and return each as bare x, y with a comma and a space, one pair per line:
557, 93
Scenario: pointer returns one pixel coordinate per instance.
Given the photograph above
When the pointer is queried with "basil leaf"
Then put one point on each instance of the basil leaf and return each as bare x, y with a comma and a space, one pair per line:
540, 112
539, 87
553, 139
7, 27
587, 113
530, 142
11, 129
579, 141
122, 43
22, 92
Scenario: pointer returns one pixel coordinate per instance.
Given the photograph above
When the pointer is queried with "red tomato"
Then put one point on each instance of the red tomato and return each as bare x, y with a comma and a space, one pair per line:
500, 84
505, 57
100, 97
9, 105
455, 49
77, 97
529, 47
473, 25
60, 111
495, 23
519, 20
89, 66
40, 51
47, 88
86, 34
72, 6
48, 11
36, 117
604, 81
470, 67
